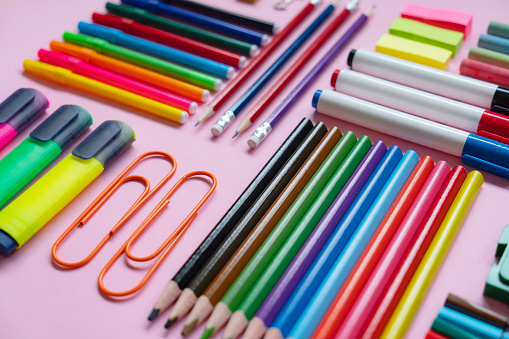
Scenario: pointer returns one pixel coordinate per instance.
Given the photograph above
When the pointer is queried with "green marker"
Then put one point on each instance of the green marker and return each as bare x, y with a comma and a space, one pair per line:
146, 61
45, 143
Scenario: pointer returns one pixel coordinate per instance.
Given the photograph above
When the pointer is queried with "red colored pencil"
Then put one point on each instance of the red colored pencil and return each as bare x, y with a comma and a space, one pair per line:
132, 27
265, 52
434, 335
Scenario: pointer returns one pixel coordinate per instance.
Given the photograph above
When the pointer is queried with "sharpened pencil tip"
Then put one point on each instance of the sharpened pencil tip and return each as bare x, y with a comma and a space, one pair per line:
170, 322
153, 314
188, 328
235, 134
370, 10
197, 123
207, 333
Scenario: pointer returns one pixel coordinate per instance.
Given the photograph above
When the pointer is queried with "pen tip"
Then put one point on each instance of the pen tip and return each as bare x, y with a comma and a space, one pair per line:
153, 314
170, 322
235, 134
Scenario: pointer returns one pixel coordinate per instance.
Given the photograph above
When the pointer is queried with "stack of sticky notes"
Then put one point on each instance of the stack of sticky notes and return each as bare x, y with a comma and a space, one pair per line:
426, 35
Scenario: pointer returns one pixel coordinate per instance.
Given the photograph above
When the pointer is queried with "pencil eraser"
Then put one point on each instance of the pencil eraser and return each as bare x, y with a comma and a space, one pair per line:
486, 72
495, 43
498, 29
428, 34
413, 51
443, 18
489, 57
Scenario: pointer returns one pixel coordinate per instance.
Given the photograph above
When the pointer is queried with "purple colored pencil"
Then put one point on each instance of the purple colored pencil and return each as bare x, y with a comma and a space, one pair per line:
266, 127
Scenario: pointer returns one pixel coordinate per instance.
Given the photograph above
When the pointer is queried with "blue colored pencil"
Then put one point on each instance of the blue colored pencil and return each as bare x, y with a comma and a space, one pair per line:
474, 326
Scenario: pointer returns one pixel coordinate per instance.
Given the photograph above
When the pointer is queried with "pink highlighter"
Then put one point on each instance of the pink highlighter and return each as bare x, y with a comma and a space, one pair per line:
80, 67
18, 111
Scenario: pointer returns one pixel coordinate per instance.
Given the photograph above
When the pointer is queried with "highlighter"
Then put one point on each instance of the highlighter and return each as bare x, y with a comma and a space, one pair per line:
35, 207
45, 143
18, 111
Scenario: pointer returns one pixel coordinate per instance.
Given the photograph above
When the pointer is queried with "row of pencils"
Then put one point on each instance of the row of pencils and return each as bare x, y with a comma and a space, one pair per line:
337, 236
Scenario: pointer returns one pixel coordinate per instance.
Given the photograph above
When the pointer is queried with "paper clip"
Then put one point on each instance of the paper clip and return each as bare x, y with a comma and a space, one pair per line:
282, 4
104, 196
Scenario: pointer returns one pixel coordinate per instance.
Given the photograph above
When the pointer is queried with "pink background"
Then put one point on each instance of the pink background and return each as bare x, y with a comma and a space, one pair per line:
39, 300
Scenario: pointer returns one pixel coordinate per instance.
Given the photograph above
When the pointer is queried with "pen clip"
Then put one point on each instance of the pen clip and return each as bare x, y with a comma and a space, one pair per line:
15, 103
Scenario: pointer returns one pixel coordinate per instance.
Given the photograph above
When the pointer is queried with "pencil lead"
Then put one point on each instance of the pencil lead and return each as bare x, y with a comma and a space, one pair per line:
235, 134
197, 123
370, 10
207, 333
170, 322
153, 314
188, 328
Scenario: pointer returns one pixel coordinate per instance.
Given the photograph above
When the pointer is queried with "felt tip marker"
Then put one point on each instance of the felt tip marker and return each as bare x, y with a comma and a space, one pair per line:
476, 151
424, 104
429, 79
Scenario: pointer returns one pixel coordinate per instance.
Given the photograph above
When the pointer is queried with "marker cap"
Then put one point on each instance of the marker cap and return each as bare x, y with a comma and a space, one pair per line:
7, 243
22, 107
66, 124
500, 100
85, 41
106, 143
110, 34
112, 21
135, 13
488, 155
145, 4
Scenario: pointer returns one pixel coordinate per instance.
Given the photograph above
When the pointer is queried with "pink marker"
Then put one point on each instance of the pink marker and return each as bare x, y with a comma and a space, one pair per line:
80, 67
18, 111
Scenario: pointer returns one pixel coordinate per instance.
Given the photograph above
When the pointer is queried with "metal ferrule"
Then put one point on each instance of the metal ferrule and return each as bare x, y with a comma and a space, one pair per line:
226, 119
351, 5
262, 131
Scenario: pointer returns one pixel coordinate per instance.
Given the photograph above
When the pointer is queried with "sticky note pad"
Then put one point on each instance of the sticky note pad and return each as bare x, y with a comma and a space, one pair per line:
413, 51
428, 34
444, 18
488, 56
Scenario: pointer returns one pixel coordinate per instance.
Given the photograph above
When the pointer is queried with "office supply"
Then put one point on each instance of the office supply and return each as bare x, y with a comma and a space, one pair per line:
485, 72
472, 326
130, 26
367, 259
266, 127
285, 230
228, 222
144, 17
494, 43
450, 330
426, 105
244, 227
340, 221
430, 263
428, 34
80, 67
294, 68
434, 335
253, 65
44, 144
498, 29
18, 111
234, 18
489, 57
35, 207
131, 71
402, 277
413, 51
454, 86
118, 37
65, 77
459, 304
223, 27
226, 119
318, 168
496, 286
145, 61
444, 18
474, 150
368, 300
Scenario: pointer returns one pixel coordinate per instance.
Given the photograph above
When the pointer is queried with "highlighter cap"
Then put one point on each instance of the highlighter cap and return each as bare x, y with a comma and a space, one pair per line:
106, 143
109, 34
135, 13
22, 107
151, 5
85, 41
64, 126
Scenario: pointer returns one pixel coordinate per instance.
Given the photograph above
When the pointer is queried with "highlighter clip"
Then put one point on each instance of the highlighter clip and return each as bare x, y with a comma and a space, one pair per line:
497, 283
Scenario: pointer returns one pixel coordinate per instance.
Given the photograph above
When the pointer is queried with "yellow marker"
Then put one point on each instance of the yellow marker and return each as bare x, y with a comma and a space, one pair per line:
425, 273
67, 78
413, 51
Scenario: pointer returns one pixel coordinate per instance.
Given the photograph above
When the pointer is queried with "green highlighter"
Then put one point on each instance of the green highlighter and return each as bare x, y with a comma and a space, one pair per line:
45, 143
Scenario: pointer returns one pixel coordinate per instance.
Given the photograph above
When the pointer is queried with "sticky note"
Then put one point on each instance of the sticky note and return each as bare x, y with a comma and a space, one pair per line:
443, 18
428, 34
413, 51
488, 56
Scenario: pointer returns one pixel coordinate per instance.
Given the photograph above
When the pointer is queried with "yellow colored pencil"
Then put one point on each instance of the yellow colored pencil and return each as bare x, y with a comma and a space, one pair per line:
425, 273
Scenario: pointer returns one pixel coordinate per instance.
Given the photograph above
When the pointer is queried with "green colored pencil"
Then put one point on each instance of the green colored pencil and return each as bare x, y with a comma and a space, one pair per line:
146, 61
149, 19
450, 330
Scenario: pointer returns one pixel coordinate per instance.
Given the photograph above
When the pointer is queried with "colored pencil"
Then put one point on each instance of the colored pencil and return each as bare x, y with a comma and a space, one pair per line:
253, 65
462, 326
248, 277
244, 227
380, 278
120, 38
286, 287
384, 233
266, 127
332, 152
227, 118
434, 335
295, 67
451, 330
200, 20
227, 223
130, 26
476, 311
416, 290
432, 221
144, 17
145, 61
221, 14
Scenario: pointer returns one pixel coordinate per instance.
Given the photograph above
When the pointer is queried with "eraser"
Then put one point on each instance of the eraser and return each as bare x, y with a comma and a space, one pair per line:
486, 72
489, 57
498, 29
443, 18
428, 34
413, 51
495, 43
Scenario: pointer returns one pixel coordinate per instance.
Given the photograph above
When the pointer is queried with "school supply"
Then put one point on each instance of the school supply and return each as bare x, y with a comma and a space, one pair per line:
459, 304
496, 286
485, 72
489, 57
498, 29
494, 43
